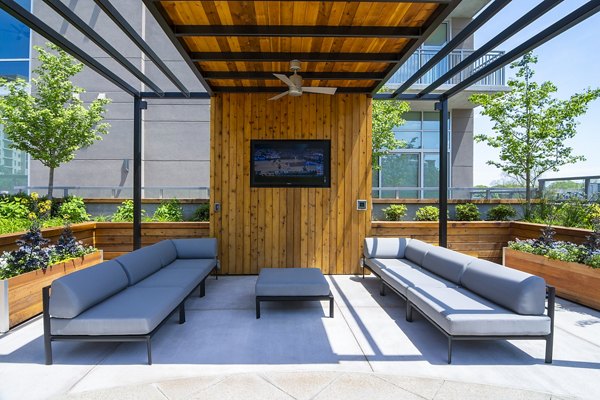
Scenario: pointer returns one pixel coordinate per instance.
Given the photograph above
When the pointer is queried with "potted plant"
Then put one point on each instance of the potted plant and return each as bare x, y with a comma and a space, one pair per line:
35, 264
574, 269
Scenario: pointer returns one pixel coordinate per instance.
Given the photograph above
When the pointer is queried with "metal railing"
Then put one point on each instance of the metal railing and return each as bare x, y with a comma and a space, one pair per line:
471, 193
124, 192
421, 56
585, 187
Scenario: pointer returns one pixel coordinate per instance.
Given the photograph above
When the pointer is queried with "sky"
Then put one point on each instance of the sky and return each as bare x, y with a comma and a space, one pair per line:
570, 60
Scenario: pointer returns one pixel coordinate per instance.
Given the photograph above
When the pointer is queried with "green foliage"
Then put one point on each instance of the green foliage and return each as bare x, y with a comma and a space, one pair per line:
169, 211
14, 208
202, 213
428, 213
531, 126
395, 212
467, 212
124, 212
387, 114
572, 213
501, 212
51, 123
73, 210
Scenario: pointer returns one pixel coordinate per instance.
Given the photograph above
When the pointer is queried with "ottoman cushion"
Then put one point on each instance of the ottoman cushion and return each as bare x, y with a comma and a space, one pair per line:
291, 282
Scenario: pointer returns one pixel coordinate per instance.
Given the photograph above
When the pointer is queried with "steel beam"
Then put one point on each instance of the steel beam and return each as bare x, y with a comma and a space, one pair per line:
163, 21
511, 30
131, 33
442, 106
175, 95
435, 19
460, 37
60, 8
582, 13
399, 32
37, 25
138, 106
406, 96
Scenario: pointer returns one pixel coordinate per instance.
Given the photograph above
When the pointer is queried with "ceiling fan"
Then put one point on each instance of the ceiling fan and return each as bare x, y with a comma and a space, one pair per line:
294, 82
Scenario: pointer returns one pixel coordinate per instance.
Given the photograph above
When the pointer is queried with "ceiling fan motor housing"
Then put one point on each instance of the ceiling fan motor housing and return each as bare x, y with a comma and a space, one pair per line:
295, 65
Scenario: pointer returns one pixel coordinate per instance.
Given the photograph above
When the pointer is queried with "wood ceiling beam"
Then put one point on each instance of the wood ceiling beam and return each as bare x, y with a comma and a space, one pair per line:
265, 75
279, 89
400, 32
286, 57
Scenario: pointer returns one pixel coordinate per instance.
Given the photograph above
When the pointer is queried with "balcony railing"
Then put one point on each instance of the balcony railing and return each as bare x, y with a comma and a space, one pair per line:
420, 57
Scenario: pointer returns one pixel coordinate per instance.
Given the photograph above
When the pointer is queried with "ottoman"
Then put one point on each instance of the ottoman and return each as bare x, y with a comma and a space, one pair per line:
292, 284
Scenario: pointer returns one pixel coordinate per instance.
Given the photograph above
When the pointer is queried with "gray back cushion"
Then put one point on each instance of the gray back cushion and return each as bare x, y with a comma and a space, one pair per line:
74, 293
196, 248
140, 263
416, 250
518, 291
385, 247
446, 263
167, 251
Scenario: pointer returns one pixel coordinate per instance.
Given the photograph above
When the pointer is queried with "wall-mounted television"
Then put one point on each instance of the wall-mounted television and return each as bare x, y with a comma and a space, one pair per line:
290, 163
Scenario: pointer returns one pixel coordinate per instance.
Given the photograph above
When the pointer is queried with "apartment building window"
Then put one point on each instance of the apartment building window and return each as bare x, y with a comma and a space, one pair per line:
413, 169
14, 46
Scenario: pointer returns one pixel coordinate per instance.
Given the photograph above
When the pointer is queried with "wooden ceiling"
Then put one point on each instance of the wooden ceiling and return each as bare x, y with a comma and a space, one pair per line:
236, 46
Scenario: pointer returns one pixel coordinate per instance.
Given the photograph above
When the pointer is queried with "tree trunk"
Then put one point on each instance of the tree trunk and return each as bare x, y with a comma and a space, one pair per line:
528, 195
50, 183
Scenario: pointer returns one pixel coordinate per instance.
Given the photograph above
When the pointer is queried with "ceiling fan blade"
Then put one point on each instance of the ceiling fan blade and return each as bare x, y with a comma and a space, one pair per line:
322, 90
280, 95
285, 79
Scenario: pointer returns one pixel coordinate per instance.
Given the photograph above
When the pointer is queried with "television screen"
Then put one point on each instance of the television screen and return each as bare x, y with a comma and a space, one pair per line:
289, 163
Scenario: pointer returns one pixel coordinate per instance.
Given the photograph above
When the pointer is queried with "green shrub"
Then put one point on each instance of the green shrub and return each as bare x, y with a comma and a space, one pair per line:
572, 213
73, 210
12, 225
501, 212
169, 211
467, 212
395, 212
13, 207
202, 213
124, 212
428, 213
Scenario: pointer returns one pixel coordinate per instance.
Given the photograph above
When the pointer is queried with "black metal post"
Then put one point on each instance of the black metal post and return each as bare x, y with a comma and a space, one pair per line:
138, 106
442, 106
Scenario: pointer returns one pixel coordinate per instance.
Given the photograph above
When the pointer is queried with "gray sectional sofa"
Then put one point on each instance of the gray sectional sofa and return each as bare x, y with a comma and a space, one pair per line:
464, 297
130, 297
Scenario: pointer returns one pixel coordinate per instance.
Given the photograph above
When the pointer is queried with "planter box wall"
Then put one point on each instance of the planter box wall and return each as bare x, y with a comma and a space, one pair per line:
83, 232
21, 296
573, 281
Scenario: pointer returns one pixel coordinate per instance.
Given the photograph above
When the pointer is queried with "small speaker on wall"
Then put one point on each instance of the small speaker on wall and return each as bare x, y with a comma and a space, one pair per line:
361, 205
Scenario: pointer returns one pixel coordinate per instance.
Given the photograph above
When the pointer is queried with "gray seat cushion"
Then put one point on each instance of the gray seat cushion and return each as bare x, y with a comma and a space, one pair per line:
291, 282
204, 265
446, 263
379, 264
461, 312
196, 248
141, 263
385, 247
167, 251
76, 292
403, 278
518, 291
133, 311
185, 279
416, 250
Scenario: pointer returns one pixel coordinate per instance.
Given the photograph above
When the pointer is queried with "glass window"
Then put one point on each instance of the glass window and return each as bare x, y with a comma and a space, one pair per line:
431, 174
413, 121
431, 140
431, 121
15, 35
14, 69
439, 37
412, 140
400, 170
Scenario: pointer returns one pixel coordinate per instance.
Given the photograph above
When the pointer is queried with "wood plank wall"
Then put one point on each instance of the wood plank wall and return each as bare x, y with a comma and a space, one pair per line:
527, 230
480, 239
290, 227
116, 238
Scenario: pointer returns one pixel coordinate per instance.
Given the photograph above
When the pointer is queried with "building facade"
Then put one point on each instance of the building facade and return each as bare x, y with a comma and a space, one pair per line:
176, 133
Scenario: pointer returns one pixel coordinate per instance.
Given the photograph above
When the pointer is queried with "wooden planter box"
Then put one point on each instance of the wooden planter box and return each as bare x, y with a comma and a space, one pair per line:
21, 296
573, 281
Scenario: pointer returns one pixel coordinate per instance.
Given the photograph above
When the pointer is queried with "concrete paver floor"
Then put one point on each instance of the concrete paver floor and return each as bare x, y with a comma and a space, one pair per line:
294, 351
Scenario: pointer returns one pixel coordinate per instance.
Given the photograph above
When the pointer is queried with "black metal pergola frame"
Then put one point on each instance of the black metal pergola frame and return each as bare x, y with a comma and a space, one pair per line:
416, 38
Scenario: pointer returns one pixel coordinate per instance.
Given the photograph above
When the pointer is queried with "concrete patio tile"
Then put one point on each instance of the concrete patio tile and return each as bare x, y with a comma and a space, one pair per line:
246, 386
179, 389
424, 387
146, 392
302, 385
462, 391
363, 386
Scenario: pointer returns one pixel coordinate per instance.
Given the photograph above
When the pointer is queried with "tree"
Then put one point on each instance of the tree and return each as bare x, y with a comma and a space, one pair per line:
52, 123
531, 126
387, 114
